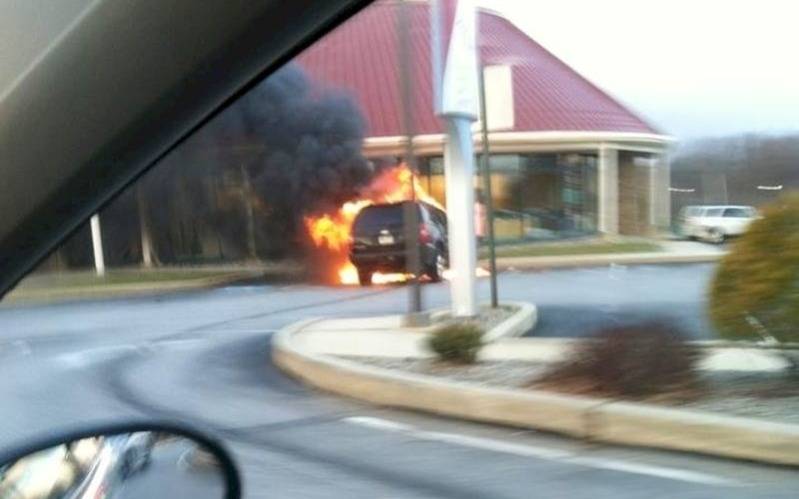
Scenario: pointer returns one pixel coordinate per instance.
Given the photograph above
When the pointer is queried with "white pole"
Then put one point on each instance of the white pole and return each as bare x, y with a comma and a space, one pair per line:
146, 248
457, 101
459, 175
144, 229
97, 245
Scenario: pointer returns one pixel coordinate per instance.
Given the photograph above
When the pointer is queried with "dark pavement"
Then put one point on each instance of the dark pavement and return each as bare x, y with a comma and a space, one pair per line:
204, 358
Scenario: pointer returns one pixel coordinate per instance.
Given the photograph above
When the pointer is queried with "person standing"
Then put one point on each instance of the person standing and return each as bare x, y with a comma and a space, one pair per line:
479, 215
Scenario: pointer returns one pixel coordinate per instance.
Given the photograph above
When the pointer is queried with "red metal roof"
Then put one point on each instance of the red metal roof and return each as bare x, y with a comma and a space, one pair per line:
361, 57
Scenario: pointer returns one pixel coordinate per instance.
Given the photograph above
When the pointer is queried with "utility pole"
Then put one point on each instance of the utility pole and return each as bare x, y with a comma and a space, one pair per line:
489, 201
411, 213
97, 245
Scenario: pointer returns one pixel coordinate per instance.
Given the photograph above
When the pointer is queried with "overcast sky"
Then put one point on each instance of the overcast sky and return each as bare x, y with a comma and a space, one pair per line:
692, 67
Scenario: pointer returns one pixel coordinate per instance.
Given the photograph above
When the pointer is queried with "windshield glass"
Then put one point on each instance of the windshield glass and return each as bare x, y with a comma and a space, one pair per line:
589, 307
737, 213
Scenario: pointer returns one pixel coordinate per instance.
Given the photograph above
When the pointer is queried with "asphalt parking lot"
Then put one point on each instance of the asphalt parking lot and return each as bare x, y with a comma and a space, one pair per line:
203, 358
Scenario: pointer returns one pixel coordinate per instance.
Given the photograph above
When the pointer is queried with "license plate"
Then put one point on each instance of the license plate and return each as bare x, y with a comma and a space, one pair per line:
385, 239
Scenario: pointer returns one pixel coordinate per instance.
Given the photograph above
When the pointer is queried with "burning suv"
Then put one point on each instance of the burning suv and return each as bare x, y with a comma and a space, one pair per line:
378, 241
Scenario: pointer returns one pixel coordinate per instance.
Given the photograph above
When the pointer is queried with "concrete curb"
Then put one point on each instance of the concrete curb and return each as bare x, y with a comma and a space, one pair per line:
571, 261
523, 320
123, 290
595, 419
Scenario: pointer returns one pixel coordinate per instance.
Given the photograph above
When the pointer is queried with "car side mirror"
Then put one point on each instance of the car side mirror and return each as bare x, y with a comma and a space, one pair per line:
130, 461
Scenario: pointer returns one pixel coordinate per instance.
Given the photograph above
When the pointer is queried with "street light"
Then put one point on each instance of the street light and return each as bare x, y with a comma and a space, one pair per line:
769, 187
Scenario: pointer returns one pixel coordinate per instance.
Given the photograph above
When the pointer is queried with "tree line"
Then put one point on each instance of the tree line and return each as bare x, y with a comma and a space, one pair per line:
238, 188
744, 169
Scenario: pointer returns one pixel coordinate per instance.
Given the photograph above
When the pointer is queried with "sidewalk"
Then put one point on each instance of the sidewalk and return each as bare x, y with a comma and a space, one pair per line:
673, 252
387, 336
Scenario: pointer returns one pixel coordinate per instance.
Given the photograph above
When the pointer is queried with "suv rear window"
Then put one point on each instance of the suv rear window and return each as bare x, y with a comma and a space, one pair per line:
714, 212
378, 216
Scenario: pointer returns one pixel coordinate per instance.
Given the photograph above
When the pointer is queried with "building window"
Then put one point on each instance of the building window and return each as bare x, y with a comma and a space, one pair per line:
536, 196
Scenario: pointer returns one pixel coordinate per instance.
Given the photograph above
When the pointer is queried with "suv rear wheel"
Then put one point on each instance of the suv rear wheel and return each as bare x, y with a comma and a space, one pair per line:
435, 271
365, 277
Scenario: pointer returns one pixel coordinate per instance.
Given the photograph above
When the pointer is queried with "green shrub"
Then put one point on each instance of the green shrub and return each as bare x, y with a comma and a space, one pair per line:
457, 342
755, 291
628, 361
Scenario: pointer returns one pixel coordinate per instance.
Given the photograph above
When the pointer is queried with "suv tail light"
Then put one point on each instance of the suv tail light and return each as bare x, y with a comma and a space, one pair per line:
424, 235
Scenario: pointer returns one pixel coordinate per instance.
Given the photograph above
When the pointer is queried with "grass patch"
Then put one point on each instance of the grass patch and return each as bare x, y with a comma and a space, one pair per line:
86, 279
575, 248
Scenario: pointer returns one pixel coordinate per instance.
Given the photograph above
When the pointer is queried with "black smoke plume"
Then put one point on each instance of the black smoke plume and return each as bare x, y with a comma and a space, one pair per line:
305, 143
240, 186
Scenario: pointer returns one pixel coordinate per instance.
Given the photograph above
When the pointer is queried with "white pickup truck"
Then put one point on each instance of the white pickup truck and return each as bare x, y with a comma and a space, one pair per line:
715, 223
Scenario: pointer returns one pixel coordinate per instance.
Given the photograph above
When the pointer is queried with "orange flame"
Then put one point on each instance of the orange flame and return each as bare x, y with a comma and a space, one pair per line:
331, 232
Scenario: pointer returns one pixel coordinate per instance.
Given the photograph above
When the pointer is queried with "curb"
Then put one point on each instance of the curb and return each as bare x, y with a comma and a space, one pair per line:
123, 290
595, 419
557, 262
523, 320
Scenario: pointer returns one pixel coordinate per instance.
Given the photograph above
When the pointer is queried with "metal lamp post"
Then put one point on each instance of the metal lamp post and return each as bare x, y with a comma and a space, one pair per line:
456, 101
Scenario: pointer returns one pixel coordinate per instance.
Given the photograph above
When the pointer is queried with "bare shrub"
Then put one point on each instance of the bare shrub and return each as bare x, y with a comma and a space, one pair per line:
628, 361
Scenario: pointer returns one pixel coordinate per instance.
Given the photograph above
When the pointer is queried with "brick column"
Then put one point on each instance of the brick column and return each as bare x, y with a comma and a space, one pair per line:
660, 195
608, 191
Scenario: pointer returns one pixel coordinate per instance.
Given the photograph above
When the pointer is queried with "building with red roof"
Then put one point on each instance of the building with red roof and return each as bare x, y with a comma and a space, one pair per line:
567, 158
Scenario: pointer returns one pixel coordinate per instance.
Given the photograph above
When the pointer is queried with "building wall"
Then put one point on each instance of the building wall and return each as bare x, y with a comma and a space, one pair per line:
635, 190
661, 184
549, 189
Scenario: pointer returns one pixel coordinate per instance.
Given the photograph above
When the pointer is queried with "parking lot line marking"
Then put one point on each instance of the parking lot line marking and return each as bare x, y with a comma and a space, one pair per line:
545, 453
379, 423
84, 358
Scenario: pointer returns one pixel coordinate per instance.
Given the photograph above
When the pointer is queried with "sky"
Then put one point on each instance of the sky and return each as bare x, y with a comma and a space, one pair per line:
693, 68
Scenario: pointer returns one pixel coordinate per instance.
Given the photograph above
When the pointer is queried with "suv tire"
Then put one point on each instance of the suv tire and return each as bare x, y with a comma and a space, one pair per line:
365, 277
716, 236
435, 270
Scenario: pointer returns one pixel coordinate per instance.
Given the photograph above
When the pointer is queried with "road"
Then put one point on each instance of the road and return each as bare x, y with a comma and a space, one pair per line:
204, 358
580, 302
